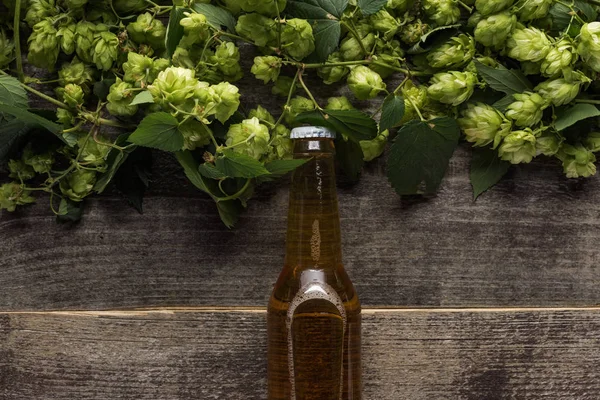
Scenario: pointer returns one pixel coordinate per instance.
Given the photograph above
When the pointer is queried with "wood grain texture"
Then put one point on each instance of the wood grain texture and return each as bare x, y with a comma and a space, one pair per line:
416, 355
532, 241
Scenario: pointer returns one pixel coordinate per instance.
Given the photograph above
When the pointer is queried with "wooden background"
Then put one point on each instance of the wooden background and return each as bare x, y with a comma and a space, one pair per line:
494, 299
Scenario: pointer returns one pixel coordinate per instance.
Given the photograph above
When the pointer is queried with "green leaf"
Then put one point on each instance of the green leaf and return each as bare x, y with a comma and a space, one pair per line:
486, 169
208, 170
190, 168
114, 160
561, 16
239, 165
31, 118
216, 16
12, 93
420, 154
144, 97
433, 38
174, 29
279, 168
133, 177
349, 156
353, 123
392, 112
102, 88
509, 81
572, 115
502, 104
69, 211
229, 211
12, 133
327, 37
159, 131
369, 7
316, 9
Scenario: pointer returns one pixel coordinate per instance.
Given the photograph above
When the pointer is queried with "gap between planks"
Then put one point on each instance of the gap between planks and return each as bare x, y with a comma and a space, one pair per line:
263, 310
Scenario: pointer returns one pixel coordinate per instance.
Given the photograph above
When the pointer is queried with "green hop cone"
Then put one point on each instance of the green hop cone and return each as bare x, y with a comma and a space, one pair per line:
141, 70
265, 7
7, 49
66, 37
592, 141
76, 73
78, 184
13, 195
84, 40
518, 147
298, 105
65, 117
335, 73
195, 28
40, 162
174, 85
258, 28
457, 51
74, 4
528, 44
340, 103
262, 114
589, 45
281, 144
194, 134
493, 30
227, 98
452, 87
488, 7
548, 143
126, 7
399, 6
73, 95
561, 56
106, 47
442, 12
413, 32
43, 45
350, 49
374, 148
474, 19
93, 152
562, 91
250, 137
365, 83
483, 124
384, 23
533, 9
527, 109
283, 86
227, 60
414, 96
266, 68
119, 99
297, 38
38, 10
148, 30
578, 161
388, 52
19, 170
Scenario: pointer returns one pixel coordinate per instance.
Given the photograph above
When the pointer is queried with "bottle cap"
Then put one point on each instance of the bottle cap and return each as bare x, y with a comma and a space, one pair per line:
308, 132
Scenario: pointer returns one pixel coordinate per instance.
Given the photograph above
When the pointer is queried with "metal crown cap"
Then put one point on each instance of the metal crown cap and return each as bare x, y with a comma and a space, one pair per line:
308, 132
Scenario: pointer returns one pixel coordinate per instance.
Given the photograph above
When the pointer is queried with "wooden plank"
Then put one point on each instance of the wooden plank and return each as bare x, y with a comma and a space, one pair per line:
443, 354
532, 241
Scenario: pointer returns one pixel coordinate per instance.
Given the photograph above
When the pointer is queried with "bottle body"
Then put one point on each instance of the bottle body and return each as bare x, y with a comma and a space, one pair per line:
314, 326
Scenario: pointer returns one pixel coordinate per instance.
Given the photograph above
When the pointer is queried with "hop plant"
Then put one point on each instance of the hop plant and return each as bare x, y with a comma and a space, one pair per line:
332, 74
93, 152
19, 170
350, 48
365, 83
262, 114
488, 7
194, 135
298, 104
413, 32
452, 87
533, 9
374, 148
493, 30
174, 85
389, 53
78, 184
577, 160
106, 45
592, 141
196, 29
249, 137
457, 51
258, 28
119, 99
518, 147
589, 45
414, 96
148, 30
281, 145
13, 195
442, 12
339, 103
76, 73
66, 35
43, 45
528, 44
141, 70
7, 49
84, 40
483, 124
297, 38
73, 95
266, 68
227, 99
40, 162
39, 10
561, 56
548, 143
384, 23
563, 90
227, 60
527, 110
399, 6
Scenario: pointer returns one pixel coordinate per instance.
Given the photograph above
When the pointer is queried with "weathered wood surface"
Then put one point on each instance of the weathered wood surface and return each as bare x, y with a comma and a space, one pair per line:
417, 355
532, 241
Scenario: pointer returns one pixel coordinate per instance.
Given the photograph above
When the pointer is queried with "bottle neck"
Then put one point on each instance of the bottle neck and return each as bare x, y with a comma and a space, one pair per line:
313, 235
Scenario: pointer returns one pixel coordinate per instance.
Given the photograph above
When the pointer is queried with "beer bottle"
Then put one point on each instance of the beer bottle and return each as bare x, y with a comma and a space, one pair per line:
314, 313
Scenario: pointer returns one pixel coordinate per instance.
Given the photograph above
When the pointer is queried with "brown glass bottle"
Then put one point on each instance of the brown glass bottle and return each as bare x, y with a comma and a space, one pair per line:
314, 313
